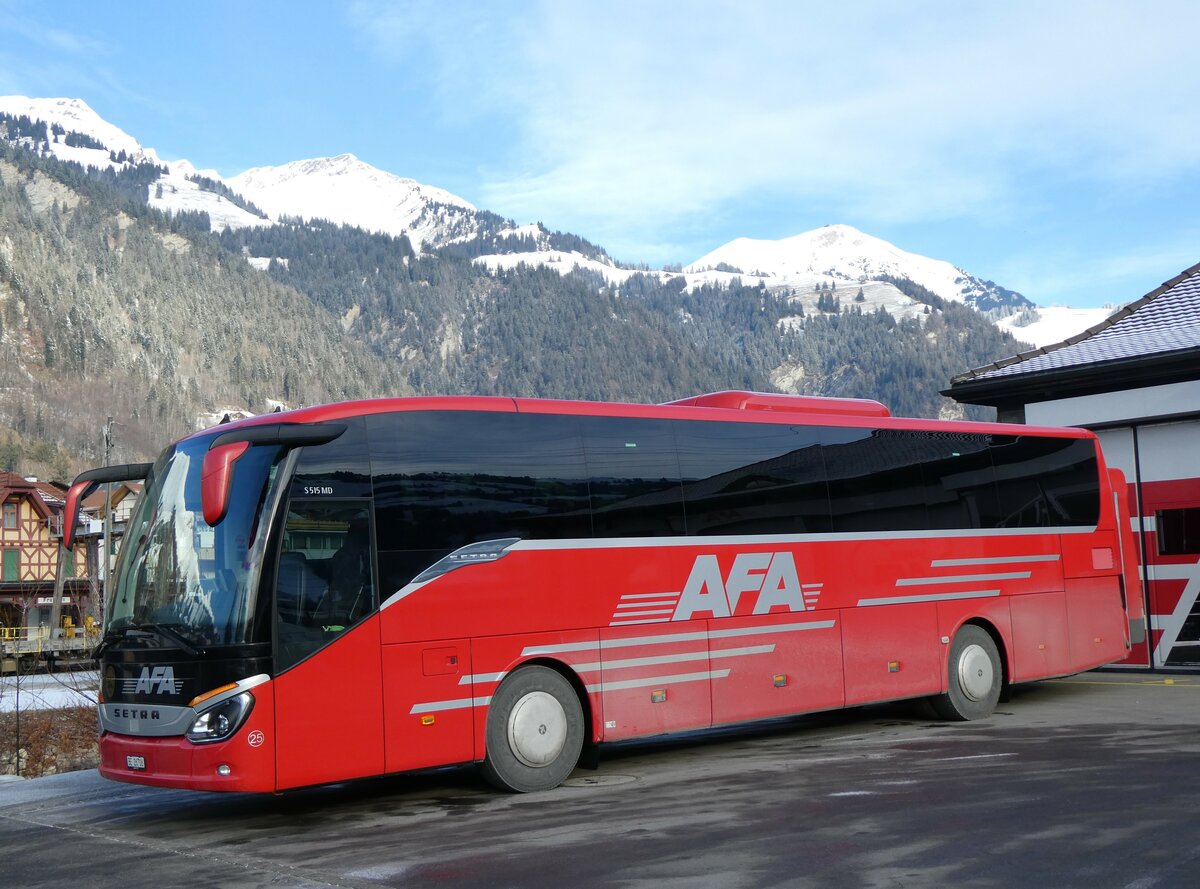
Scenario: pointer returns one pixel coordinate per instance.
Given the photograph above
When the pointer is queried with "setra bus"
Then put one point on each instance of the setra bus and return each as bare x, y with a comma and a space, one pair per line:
380, 586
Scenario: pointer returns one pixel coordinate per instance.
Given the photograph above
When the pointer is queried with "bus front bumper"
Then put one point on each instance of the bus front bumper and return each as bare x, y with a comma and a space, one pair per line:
243, 763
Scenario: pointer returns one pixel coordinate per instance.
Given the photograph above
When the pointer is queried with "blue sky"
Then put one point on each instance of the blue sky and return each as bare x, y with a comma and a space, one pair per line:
1053, 147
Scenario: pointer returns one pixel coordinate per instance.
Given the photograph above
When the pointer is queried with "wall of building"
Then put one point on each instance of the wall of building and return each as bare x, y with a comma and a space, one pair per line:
1153, 436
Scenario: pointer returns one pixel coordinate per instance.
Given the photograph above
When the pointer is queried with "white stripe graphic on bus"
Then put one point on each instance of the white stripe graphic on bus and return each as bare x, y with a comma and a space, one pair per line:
994, 560
619, 685
962, 578
671, 638
633, 662
652, 613
929, 597
629, 663
457, 704
657, 680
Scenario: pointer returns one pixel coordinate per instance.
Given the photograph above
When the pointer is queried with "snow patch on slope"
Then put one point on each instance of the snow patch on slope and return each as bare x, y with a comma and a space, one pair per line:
1053, 324
179, 193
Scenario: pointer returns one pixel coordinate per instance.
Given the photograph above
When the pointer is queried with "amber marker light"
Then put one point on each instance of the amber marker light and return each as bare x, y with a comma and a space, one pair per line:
200, 699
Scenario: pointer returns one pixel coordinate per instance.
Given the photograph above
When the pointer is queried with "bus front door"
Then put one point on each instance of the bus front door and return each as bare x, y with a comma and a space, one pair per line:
329, 684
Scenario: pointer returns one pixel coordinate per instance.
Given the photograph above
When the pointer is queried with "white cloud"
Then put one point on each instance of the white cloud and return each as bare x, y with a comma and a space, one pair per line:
1059, 275
634, 116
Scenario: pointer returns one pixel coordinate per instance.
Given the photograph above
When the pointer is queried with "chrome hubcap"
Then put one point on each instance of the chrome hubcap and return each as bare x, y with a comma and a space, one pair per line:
975, 674
537, 729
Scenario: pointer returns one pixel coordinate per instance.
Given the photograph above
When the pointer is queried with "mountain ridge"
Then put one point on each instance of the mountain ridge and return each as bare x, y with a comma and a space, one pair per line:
346, 190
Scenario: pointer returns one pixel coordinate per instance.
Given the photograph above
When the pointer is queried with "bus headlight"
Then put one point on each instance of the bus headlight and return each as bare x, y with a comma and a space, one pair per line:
219, 722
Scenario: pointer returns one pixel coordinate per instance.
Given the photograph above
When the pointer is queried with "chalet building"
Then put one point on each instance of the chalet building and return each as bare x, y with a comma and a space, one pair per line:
1135, 380
30, 538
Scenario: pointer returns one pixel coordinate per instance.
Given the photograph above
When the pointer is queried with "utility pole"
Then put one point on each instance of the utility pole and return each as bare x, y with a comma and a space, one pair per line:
107, 559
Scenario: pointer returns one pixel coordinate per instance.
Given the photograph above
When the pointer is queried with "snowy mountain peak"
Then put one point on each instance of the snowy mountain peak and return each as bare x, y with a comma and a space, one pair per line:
843, 253
346, 190
73, 115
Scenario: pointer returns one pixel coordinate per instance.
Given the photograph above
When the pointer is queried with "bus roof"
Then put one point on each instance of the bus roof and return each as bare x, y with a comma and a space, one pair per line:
730, 405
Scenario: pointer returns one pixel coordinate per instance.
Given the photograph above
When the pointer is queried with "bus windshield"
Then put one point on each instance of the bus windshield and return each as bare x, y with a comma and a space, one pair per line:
177, 571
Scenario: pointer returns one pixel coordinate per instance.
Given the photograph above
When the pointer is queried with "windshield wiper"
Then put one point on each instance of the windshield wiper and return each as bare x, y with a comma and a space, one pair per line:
166, 632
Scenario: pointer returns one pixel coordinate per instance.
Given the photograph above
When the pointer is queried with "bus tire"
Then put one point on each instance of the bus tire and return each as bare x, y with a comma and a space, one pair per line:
534, 731
975, 677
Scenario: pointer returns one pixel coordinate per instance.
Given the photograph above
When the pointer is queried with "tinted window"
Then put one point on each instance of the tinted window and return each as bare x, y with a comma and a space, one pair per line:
634, 476
324, 577
1045, 482
340, 468
752, 478
875, 479
446, 479
1178, 531
956, 472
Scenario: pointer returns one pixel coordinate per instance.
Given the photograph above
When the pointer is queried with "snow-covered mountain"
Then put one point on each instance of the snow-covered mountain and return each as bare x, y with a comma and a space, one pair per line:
75, 115
346, 190
108, 147
843, 255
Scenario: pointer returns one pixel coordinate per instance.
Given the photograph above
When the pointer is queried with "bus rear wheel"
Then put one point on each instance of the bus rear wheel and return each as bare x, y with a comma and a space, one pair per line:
534, 731
975, 677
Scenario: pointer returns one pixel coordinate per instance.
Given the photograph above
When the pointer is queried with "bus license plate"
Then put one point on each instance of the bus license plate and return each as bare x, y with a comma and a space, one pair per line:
137, 763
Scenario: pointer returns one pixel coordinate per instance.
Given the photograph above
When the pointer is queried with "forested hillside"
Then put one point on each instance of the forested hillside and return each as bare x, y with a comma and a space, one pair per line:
452, 326
110, 308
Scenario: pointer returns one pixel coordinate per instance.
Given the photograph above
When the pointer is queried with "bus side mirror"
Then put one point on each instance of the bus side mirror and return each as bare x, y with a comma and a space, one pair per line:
86, 482
216, 479
75, 494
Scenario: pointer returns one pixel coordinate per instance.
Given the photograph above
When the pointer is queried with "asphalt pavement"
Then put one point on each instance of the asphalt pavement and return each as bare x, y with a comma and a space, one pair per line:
1087, 782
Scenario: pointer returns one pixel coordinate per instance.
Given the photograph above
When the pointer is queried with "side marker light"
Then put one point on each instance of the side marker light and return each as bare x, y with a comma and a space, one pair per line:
200, 699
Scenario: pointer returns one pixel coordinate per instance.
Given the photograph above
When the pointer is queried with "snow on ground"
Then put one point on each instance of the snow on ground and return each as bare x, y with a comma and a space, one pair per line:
1054, 324
180, 194
564, 262
561, 261
263, 263
52, 691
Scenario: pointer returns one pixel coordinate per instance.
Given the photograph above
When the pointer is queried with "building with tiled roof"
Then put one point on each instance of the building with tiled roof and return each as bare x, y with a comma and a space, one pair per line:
30, 540
1135, 380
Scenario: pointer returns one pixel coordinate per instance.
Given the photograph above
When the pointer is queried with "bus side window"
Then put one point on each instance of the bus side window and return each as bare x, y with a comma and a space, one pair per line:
633, 477
443, 480
325, 576
874, 485
959, 483
1043, 482
752, 478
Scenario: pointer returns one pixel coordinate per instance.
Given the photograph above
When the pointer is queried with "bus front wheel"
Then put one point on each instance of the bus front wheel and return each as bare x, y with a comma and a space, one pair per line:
534, 731
975, 677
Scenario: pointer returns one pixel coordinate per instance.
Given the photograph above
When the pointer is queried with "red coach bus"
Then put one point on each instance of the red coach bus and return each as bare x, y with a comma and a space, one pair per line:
380, 586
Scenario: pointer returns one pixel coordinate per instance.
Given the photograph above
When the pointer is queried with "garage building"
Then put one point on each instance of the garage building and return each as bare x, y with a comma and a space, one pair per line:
1135, 380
